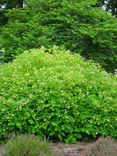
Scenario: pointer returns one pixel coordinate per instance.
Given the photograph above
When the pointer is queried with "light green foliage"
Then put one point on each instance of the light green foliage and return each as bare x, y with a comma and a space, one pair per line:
77, 25
27, 145
57, 95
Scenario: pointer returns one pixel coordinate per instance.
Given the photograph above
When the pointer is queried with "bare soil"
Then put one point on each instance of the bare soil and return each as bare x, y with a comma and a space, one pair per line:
78, 149
1, 150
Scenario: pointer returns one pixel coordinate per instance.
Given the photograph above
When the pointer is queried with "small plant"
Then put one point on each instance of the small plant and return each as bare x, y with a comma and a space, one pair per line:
27, 145
103, 147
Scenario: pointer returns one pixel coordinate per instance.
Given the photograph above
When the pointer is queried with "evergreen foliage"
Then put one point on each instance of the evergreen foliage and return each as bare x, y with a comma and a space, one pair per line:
8, 4
77, 25
109, 5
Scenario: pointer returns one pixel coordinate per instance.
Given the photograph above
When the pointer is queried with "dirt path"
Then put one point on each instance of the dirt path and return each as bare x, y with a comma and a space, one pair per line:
1, 151
70, 149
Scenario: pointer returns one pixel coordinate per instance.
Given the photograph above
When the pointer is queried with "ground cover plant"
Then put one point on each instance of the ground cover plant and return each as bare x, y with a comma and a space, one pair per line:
102, 147
78, 25
28, 145
55, 94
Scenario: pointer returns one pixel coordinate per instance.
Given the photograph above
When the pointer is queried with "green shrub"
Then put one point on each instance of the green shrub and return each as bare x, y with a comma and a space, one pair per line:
77, 25
103, 147
26, 145
53, 93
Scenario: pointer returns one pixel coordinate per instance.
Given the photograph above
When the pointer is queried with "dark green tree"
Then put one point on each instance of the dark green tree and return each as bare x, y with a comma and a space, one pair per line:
78, 25
110, 5
8, 4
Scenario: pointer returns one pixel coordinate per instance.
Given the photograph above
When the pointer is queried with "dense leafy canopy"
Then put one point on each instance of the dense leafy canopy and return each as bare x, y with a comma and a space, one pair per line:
57, 95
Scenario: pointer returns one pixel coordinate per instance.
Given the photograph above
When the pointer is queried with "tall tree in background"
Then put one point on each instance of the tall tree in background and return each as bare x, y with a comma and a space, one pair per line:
80, 26
8, 4
21, 3
110, 5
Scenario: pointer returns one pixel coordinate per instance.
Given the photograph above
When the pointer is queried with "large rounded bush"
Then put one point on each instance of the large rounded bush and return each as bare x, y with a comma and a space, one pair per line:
57, 95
